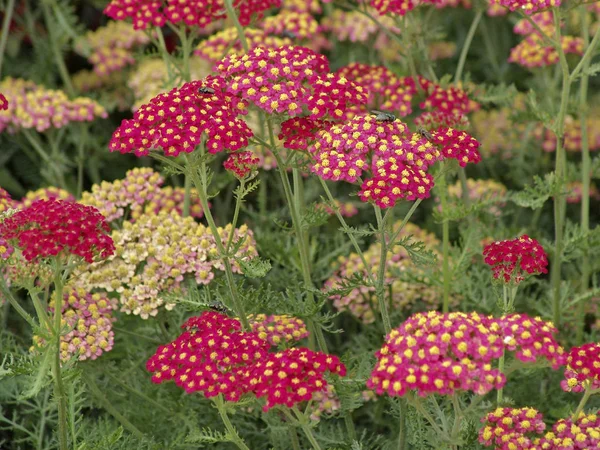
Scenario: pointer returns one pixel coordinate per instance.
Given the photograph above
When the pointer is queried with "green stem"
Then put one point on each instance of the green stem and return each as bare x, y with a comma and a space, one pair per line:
467, 45
187, 195
306, 428
585, 60
295, 205
7, 294
236, 23
416, 402
8, 12
59, 388
201, 183
294, 438
232, 432
81, 157
586, 395
445, 242
380, 287
57, 179
236, 213
462, 175
585, 180
560, 163
107, 405
162, 47
350, 428
458, 416
57, 52
402, 425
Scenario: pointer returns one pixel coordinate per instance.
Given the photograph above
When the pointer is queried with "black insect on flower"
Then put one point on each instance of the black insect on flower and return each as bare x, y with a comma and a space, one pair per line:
218, 306
424, 133
206, 90
383, 116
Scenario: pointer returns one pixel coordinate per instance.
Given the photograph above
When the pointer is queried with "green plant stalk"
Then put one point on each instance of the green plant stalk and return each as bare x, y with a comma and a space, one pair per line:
350, 428
560, 163
306, 429
236, 23
236, 214
294, 438
200, 183
458, 416
5, 26
462, 175
445, 242
40, 309
15, 304
294, 205
107, 405
59, 388
585, 180
233, 434
416, 402
402, 426
58, 57
467, 44
586, 395
81, 157
380, 287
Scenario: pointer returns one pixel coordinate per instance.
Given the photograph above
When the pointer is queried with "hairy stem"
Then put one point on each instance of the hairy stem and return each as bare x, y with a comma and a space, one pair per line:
56, 50
466, 45
59, 388
8, 12
380, 286
445, 242
236, 23
232, 432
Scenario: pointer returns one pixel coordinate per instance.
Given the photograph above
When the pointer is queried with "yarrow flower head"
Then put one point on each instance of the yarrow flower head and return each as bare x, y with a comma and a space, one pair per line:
583, 368
443, 353
275, 80
34, 107
292, 376
176, 122
511, 428
568, 434
212, 356
154, 256
528, 6
241, 164
513, 260
110, 47
278, 329
89, 317
439, 353
57, 228
457, 145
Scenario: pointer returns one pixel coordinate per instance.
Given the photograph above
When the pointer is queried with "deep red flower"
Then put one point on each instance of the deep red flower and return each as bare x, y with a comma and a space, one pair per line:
58, 228
241, 164
458, 145
514, 259
176, 121
3, 102
583, 368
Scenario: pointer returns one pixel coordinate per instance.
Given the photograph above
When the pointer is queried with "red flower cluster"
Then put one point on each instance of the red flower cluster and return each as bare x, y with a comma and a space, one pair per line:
297, 133
241, 164
508, 428
583, 368
194, 13
531, 338
3, 102
211, 357
566, 434
399, 7
215, 357
442, 353
176, 121
333, 95
439, 353
292, 376
275, 80
54, 227
513, 259
450, 101
457, 145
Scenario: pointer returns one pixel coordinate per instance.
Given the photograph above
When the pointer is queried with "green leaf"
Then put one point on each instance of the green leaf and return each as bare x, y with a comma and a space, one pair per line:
534, 196
255, 267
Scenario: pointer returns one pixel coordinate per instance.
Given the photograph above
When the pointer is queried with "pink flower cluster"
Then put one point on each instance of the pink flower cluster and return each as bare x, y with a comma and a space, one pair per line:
176, 121
154, 256
458, 145
3, 102
278, 329
583, 368
443, 353
302, 24
214, 356
513, 260
521, 429
511, 428
139, 192
89, 320
56, 228
34, 107
361, 301
111, 47
533, 52
241, 164
528, 6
